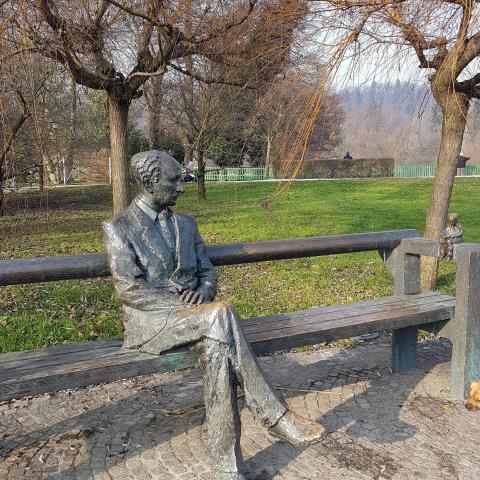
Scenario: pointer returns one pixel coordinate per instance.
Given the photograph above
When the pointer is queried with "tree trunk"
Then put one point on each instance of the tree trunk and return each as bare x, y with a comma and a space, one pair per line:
267, 158
41, 177
3, 156
118, 117
153, 90
2, 194
187, 152
51, 169
72, 141
454, 110
201, 190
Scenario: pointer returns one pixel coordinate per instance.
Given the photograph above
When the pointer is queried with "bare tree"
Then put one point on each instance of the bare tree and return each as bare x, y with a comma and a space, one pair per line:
117, 46
447, 49
22, 82
444, 35
197, 109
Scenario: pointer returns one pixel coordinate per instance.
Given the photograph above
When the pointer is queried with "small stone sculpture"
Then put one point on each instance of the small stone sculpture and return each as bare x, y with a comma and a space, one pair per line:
167, 284
451, 235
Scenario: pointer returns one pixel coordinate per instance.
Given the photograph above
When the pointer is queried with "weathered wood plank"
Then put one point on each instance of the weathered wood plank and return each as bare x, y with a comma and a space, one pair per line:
318, 315
48, 269
92, 376
94, 355
59, 350
122, 358
70, 354
285, 340
80, 365
387, 320
346, 307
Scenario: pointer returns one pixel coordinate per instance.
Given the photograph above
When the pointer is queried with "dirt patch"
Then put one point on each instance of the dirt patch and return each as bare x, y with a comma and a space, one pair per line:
358, 457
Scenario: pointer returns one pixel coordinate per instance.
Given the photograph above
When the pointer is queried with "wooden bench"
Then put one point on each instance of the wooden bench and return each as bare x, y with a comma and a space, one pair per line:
70, 366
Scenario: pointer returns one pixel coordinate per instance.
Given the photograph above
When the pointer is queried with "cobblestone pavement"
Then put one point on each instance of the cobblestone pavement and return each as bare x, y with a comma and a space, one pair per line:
381, 426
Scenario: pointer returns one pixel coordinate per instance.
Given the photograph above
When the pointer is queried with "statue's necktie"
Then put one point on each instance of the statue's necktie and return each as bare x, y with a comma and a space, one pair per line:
165, 226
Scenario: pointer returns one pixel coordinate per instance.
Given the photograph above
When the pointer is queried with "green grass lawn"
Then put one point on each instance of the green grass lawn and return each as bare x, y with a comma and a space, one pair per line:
68, 221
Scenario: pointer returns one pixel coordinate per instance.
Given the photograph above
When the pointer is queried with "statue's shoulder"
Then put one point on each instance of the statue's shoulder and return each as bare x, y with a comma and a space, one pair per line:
121, 222
187, 221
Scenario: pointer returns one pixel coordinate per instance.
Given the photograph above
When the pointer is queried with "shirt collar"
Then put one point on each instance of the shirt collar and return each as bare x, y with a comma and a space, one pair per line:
148, 210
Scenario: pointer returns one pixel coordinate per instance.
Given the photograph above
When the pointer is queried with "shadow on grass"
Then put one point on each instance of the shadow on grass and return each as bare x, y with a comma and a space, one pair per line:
446, 281
141, 422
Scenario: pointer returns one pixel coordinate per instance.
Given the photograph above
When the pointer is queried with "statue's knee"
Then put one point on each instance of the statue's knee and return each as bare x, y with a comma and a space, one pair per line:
224, 304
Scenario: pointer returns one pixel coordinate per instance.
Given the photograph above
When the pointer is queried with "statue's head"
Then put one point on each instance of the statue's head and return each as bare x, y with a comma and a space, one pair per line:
452, 218
158, 175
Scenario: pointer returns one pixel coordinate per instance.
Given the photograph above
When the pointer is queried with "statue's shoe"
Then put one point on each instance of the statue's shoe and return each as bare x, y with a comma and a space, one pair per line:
229, 476
297, 430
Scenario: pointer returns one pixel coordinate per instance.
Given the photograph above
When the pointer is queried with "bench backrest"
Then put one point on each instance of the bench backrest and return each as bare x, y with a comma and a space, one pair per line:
47, 269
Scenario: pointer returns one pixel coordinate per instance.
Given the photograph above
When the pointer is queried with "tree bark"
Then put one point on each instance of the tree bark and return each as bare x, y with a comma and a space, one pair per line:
454, 110
72, 141
201, 190
3, 155
118, 117
41, 177
266, 168
153, 91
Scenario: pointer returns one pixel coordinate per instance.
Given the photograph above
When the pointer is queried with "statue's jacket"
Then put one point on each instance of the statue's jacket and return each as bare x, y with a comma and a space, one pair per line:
146, 271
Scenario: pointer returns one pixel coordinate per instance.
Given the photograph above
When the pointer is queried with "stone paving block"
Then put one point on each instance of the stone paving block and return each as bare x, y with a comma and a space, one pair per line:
381, 426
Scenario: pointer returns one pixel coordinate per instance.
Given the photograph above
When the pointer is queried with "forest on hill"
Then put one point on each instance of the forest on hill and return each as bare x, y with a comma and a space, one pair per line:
400, 120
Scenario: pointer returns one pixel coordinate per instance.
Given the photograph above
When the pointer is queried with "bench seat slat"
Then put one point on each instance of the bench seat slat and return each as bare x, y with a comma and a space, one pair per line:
319, 316
19, 363
71, 366
435, 296
60, 350
87, 374
123, 357
310, 334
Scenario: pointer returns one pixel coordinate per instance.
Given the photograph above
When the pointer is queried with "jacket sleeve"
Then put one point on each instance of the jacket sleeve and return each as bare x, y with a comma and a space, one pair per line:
128, 277
206, 273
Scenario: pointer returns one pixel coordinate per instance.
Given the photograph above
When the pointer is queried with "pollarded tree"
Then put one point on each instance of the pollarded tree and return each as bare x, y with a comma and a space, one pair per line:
447, 49
444, 35
117, 46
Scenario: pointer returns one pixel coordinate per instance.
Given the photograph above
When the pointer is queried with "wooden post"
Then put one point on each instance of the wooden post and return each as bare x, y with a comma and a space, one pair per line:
405, 269
465, 331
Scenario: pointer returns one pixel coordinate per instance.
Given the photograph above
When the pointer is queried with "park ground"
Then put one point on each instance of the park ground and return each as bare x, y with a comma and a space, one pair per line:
380, 426
68, 221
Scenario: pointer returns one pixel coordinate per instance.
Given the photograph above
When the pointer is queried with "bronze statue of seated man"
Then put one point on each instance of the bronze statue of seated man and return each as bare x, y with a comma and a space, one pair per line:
167, 284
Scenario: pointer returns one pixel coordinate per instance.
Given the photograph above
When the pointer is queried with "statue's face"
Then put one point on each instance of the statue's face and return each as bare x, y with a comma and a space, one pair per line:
166, 184
452, 219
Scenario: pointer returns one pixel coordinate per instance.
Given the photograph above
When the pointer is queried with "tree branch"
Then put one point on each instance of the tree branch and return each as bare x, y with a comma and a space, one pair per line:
228, 26
470, 52
149, 19
208, 80
417, 40
469, 87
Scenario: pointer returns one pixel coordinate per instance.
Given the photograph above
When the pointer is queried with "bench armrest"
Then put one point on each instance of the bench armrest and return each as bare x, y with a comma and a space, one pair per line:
420, 246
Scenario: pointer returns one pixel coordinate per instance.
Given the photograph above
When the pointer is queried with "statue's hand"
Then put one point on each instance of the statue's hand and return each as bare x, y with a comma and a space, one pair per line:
206, 294
190, 297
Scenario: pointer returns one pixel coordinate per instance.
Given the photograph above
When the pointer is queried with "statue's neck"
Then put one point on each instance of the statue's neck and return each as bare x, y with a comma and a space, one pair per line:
147, 198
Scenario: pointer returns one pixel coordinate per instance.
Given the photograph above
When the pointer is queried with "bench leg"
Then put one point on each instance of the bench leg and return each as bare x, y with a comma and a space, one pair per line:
404, 349
465, 331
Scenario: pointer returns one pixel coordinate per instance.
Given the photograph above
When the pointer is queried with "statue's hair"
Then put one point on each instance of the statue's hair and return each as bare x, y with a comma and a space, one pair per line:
144, 164
453, 216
